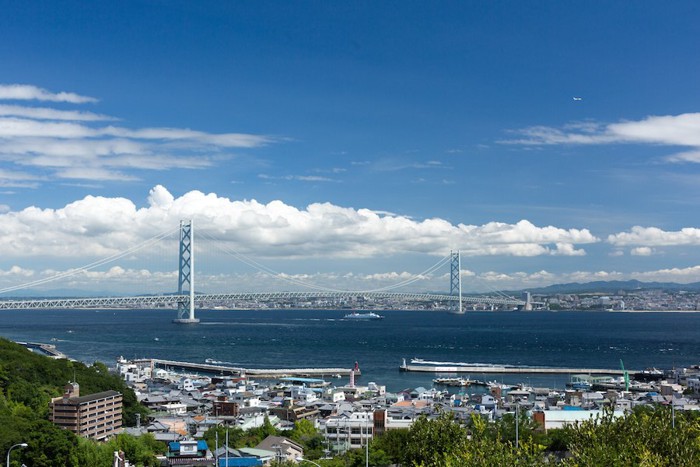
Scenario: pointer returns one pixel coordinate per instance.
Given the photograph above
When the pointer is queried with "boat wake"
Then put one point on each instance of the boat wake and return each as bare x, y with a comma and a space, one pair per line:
211, 361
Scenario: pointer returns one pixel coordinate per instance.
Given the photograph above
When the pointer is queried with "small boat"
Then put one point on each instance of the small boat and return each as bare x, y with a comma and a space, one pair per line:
496, 384
363, 316
453, 382
648, 375
581, 385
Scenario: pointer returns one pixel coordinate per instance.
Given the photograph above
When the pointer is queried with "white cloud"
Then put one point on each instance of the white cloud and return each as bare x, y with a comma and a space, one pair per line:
18, 179
131, 280
669, 130
30, 92
676, 130
14, 127
685, 156
653, 236
98, 226
299, 178
77, 147
642, 251
43, 113
93, 173
17, 272
679, 275
523, 280
567, 249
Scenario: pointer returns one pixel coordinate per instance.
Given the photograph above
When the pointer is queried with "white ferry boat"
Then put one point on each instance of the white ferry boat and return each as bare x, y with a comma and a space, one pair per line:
363, 316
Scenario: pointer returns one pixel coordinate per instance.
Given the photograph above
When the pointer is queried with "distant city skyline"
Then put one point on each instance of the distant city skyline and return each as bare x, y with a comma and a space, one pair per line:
352, 145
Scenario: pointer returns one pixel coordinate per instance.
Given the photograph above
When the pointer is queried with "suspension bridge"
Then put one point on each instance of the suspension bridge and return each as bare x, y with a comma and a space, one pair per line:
186, 300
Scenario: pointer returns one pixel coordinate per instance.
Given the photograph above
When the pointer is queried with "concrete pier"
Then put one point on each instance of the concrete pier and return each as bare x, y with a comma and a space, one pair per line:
45, 349
262, 373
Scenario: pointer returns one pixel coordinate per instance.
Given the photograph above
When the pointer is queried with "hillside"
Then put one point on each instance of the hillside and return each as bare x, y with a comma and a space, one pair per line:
27, 383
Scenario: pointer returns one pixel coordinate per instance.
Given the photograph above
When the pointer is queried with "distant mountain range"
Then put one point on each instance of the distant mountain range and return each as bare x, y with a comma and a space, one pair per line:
614, 286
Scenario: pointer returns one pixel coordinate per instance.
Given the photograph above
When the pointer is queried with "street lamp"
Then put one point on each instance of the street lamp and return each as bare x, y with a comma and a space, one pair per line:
20, 445
278, 455
301, 459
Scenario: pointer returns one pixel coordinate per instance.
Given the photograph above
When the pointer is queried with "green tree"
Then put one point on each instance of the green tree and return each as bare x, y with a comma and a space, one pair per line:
393, 443
432, 442
644, 437
306, 434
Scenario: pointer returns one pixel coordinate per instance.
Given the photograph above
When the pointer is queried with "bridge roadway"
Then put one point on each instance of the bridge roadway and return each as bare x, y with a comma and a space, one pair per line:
157, 301
261, 373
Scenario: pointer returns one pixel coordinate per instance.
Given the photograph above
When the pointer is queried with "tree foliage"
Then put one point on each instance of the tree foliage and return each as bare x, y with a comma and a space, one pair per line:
646, 437
28, 381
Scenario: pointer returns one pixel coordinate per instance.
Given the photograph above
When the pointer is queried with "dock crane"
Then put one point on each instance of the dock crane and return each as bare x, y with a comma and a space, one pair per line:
625, 375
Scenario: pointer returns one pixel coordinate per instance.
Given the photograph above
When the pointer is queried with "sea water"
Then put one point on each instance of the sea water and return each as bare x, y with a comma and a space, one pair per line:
322, 338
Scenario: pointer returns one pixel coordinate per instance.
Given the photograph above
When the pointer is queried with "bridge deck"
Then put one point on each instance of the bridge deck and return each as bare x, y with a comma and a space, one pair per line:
155, 301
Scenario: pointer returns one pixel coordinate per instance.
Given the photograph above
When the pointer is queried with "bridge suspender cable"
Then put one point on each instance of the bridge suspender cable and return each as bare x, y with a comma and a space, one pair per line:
264, 269
90, 266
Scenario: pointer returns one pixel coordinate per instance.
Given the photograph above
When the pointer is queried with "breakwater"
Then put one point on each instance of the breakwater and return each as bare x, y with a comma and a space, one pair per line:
44, 349
507, 369
261, 373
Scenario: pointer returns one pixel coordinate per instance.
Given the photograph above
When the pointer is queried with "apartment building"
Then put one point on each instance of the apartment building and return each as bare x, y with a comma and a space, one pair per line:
97, 416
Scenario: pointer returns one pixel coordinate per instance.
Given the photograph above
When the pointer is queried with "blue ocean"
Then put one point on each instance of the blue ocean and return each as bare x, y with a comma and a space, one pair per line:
322, 338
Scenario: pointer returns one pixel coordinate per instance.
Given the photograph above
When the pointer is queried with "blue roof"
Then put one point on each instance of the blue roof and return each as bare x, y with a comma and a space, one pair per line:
201, 445
293, 379
240, 462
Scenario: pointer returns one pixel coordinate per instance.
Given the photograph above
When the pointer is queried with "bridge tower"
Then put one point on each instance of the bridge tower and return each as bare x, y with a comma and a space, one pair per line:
456, 281
185, 308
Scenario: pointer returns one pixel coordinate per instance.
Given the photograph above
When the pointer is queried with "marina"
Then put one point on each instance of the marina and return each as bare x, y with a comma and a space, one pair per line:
320, 339
458, 382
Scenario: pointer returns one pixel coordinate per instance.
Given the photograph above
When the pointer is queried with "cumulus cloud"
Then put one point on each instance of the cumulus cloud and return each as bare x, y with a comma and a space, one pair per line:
567, 249
680, 275
642, 251
653, 236
132, 281
77, 145
17, 271
95, 226
669, 130
523, 280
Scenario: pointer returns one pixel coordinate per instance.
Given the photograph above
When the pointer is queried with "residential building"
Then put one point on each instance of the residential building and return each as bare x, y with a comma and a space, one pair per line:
285, 449
97, 416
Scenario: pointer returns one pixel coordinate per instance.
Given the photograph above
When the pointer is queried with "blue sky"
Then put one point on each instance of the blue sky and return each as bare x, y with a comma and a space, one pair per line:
354, 143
